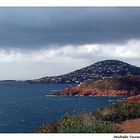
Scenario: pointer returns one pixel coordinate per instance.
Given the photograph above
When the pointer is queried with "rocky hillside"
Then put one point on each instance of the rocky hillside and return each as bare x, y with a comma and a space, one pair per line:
134, 98
129, 86
118, 83
107, 68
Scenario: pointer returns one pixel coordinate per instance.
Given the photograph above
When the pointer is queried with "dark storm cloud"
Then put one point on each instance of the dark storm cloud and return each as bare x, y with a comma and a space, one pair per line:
41, 27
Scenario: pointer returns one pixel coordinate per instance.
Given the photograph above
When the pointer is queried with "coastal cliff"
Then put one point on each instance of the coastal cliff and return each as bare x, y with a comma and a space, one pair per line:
128, 86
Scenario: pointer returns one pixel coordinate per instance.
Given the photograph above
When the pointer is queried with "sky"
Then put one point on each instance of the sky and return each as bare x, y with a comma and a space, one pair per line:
37, 42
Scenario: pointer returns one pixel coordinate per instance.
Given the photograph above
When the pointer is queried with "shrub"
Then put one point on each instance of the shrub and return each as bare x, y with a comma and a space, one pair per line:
84, 123
96, 127
102, 121
119, 112
50, 128
69, 123
102, 127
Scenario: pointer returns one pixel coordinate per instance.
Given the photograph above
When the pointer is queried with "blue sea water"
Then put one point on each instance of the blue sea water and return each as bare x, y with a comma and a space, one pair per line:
24, 107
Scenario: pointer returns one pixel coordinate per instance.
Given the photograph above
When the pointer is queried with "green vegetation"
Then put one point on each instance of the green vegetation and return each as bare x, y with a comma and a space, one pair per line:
101, 121
79, 124
50, 128
119, 112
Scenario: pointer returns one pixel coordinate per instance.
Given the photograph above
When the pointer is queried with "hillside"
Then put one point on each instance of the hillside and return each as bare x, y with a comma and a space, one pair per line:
127, 85
114, 118
121, 83
134, 98
107, 68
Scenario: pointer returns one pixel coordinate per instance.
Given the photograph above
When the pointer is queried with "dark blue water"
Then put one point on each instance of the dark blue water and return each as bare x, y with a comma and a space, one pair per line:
24, 107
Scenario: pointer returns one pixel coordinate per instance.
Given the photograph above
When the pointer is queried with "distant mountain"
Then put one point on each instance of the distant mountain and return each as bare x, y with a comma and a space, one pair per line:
107, 68
7, 81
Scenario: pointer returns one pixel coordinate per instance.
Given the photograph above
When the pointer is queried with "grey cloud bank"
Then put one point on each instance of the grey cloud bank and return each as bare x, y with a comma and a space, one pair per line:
36, 42
44, 27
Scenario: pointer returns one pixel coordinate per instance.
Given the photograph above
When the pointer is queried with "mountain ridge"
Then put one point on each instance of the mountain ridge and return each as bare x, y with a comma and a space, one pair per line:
98, 70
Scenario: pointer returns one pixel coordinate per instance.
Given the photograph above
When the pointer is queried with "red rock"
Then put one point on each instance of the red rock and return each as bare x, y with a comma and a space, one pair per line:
134, 98
89, 91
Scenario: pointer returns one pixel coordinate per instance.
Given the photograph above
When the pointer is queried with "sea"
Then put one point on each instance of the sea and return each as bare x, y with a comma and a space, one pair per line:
24, 106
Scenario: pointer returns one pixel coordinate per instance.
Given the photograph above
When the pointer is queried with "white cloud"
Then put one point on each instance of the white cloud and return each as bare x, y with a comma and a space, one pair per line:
130, 50
54, 61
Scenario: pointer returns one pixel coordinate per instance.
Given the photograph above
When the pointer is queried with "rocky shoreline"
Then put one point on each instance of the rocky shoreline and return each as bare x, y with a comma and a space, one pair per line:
74, 91
106, 87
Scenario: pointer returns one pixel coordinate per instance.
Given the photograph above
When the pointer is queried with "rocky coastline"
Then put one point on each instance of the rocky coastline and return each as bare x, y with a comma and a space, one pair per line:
74, 91
106, 87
